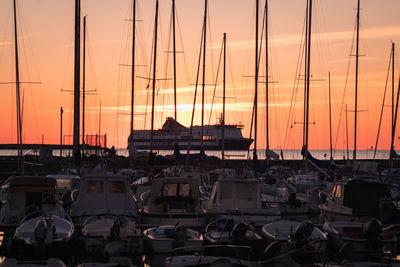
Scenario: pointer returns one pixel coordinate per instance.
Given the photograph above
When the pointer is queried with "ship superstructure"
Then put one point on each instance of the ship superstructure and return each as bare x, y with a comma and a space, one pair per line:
164, 138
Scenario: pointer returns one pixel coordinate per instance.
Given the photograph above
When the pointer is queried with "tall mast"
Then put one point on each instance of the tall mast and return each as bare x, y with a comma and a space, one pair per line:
174, 57
133, 67
266, 80
223, 105
154, 79
18, 96
256, 85
330, 117
392, 83
308, 60
305, 82
83, 80
77, 79
204, 73
394, 113
356, 87
61, 131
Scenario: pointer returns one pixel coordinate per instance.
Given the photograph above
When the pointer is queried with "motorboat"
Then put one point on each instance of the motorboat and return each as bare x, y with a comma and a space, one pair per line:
363, 240
112, 235
172, 200
240, 199
165, 238
360, 200
23, 195
289, 236
103, 194
227, 232
41, 235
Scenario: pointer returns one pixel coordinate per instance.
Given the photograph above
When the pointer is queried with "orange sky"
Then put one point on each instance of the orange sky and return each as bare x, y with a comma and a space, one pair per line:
46, 53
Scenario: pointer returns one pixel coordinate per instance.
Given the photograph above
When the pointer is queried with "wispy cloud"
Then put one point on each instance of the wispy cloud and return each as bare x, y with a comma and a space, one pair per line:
294, 39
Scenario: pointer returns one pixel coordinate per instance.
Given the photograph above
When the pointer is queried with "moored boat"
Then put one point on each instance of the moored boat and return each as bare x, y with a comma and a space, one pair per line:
291, 235
103, 194
173, 200
165, 238
240, 199
111, 235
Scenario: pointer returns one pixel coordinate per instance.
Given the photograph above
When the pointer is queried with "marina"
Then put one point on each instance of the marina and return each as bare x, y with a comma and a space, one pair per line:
180, 190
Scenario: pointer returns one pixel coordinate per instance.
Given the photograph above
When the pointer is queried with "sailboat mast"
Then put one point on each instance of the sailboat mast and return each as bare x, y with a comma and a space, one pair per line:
256, 84
154, 79
204, 74
305, 80
18, 95
330, 117
77, 79
61, 132
356, 87
83, 80
266, 80
133, 67
392, 83
308, 75
174, 58
223, 105
394, 114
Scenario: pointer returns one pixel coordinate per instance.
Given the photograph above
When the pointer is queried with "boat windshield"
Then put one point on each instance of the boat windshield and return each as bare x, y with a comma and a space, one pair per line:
176, 190
94, 187
116, 187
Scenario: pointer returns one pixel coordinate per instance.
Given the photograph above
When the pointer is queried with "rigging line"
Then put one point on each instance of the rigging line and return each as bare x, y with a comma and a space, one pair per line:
149, 75
24, 45
246, 86
166, 56
183, 49
251, 129
119, 85
296, 84
211, 53
195, 96
231, 74
275, 95
345, 89
121, 79
7, 26
383, 101
215, 86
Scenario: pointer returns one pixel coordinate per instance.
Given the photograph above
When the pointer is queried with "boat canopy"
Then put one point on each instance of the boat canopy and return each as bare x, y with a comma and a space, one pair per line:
105, 195
177, 194
233, 194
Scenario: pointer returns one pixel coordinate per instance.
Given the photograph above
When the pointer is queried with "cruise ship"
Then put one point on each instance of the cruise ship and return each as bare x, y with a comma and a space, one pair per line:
164, 138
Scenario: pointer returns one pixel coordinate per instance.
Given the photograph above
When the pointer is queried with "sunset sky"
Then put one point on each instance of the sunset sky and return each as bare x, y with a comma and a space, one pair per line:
46, 55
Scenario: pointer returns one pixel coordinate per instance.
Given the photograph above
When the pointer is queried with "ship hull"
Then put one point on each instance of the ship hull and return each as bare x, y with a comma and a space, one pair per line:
169, 144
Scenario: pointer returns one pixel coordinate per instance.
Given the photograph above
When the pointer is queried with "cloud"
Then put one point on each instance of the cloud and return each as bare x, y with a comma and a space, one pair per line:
295, 39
